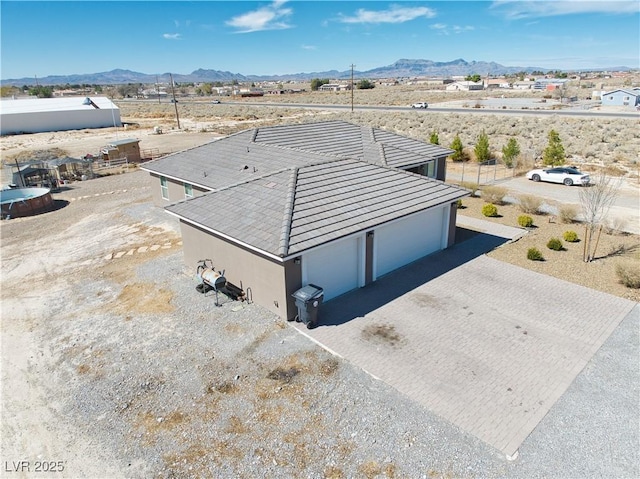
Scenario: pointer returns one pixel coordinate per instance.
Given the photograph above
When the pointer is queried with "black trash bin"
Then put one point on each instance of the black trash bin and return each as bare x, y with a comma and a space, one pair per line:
308, 300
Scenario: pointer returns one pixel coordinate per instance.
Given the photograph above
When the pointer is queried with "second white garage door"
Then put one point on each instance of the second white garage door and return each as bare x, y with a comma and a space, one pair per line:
406, 240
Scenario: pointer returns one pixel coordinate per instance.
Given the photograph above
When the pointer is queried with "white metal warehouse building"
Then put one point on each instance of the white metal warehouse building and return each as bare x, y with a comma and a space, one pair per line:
35, 115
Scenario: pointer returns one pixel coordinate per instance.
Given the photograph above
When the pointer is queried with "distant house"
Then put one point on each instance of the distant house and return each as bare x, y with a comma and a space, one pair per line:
523, 85
333, 204
36, 115
492, 83
464, 86
621, 97
335, 87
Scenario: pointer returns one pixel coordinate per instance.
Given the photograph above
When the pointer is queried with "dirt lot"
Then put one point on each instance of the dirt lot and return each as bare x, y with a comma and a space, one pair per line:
113, 366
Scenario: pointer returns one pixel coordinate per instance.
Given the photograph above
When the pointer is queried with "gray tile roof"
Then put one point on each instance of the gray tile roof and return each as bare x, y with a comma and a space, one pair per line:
298, 208
266, 150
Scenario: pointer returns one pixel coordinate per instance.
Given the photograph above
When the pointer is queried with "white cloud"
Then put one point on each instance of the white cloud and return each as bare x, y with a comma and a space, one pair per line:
309, 47
395, 14
460, 29
172, 36
517, 9
444, 29
271, 17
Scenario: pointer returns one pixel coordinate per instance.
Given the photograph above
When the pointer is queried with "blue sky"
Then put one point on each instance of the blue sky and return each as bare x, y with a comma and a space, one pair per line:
279, 37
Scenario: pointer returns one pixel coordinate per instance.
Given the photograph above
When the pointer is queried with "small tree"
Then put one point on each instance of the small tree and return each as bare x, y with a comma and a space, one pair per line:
510, 152
365, 85
595, 202
433, 139
482, 150
474, 78
458, 149
554, 152
318, 82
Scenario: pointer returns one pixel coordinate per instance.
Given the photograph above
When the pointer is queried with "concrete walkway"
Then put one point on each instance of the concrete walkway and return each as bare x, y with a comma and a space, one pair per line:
484, 344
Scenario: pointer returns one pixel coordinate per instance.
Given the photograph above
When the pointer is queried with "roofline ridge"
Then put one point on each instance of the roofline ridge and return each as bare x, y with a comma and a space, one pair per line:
250, 180
287, 219
295, 148
422, 154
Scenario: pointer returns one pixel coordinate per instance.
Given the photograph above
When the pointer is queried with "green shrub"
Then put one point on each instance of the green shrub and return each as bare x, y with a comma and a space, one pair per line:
530, 204
525, 221
534, 254
490, 210
570, 236
629, 274
567, 213
459, 204
494, 194
555, 244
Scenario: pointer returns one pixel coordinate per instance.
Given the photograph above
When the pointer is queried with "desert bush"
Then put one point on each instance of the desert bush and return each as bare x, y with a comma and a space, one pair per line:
570, 236
490, 210
525, 221
567, 213
629, 273
612, 170
614, 225
529, 204
494, 194
555, 244
471, 186
459, 204
534, 254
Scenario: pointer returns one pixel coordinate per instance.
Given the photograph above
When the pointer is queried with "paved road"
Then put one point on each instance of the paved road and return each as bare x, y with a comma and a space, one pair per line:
432, 109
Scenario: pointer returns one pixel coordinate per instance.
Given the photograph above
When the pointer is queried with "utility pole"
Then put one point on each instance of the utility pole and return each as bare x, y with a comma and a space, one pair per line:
175, 103
158, 89
352, 65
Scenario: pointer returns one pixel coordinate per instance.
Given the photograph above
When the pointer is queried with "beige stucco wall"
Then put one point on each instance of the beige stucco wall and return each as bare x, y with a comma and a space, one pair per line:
175, 190
245, 268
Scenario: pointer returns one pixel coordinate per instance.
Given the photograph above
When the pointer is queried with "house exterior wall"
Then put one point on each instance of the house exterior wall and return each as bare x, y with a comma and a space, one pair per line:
175, 190
620, 98
265, 277
293, 282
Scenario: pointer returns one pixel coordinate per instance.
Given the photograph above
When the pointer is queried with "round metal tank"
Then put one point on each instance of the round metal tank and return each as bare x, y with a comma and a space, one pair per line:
18, 202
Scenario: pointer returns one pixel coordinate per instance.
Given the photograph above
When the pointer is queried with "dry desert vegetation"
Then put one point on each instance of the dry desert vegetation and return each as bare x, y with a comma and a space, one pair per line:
113, 366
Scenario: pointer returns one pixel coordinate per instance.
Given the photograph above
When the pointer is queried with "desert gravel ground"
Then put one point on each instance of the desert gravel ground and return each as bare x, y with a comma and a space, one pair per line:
114, 365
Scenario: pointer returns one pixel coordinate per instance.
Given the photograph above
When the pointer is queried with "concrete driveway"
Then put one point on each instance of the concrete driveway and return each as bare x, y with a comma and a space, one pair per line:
484, 344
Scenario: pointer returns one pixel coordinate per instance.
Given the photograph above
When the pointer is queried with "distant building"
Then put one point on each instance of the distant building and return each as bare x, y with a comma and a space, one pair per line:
523, 85
335, 87
35, 115
465, 86
492, 83
621, 97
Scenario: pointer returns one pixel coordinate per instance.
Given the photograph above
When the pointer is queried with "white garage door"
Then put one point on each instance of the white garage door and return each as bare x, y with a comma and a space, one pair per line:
335, 267
408, 239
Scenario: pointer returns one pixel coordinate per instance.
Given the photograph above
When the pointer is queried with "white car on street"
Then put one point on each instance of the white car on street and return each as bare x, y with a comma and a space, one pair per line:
421, 104
563, 174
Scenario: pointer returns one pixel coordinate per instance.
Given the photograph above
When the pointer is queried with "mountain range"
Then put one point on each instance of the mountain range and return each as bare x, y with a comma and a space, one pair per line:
400, 69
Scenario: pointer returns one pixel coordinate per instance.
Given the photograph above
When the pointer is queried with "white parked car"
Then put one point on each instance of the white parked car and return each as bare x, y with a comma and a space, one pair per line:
565, 175
420, 104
